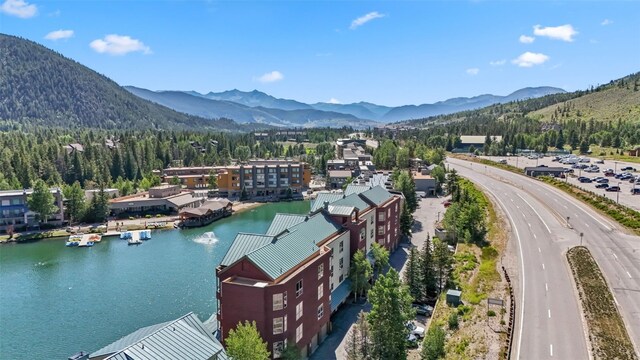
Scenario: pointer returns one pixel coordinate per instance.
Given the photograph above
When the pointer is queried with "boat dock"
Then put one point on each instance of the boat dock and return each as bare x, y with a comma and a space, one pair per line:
83, 240
135, 237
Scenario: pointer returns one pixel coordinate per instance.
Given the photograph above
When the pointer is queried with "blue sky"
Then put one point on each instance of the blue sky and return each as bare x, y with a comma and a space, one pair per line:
390, 53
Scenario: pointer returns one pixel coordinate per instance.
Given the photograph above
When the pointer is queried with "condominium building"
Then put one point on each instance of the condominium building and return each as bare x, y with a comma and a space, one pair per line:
264, 178
292, 278
16, 216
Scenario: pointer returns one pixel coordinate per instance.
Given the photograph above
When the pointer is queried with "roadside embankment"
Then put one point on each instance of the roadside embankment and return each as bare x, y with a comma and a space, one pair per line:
607, 333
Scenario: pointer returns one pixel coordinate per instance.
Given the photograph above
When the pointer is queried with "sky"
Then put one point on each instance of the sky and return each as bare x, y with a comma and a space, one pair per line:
386, 52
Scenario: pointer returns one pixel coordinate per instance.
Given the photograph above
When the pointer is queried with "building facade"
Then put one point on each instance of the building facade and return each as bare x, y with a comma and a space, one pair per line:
292, 278
264, 179
16, 216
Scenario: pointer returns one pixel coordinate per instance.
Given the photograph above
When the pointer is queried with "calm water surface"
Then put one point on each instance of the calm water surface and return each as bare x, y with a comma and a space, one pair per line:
55, 301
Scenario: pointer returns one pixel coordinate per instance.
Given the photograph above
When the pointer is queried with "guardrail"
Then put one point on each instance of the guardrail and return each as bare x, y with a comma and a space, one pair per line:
512, 316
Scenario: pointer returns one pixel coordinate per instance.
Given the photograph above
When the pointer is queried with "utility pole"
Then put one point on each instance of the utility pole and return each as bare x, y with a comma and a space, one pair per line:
618, 193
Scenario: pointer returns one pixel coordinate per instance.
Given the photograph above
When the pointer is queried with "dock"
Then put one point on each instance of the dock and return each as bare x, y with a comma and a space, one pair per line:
83, 240
135, 237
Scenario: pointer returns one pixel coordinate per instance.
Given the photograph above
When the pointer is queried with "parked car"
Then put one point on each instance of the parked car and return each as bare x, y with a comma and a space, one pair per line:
628, 168
412, 341
583, 179
425, 310
609, 173
599, 161
602, 181
614, 188
415, 329
502, 161
602, 186
635, 191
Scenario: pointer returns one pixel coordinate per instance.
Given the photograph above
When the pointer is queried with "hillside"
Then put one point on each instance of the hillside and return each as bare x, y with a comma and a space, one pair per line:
455, 105
619, 99
256, 98
203, 105
612, 102
40, 87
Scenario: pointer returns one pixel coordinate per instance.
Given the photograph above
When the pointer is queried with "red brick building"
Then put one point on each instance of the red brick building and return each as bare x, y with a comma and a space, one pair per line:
291, 279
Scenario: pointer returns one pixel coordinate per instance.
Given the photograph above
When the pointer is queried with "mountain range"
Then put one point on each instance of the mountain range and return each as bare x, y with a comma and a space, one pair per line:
43, 88
256, 106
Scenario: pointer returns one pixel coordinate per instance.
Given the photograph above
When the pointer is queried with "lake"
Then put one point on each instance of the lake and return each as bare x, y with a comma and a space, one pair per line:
55, 301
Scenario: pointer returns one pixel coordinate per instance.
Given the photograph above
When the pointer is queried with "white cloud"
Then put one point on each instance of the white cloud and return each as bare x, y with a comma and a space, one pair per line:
19, 8
562, 32
365, 19
114, 44
59, 34
271, 77
334, 101
498, 62
526, 39
606, 22
473, 71
529, 59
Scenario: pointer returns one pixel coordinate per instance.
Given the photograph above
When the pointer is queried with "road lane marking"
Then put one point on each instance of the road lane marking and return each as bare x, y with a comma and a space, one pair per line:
556, 200
518, 206
536, 211
535, 237
521, 270
629, 275
587, 225
511, 200
549, 311
529, 225
565, 206
539, 250
542, 266
551, 349
546, 287
615, 256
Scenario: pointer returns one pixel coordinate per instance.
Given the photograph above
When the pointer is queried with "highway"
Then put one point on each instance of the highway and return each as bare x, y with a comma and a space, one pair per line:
549, 323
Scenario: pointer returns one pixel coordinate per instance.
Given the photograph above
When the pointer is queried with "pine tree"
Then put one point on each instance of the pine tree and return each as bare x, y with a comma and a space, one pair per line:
358, 346
380, 258
433, 344
390, 310
406, 220
442, 263
412, 274
75, 202
41, 201
426, 270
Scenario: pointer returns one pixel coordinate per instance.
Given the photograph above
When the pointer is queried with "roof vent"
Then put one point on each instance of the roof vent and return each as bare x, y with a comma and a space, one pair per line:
326, 205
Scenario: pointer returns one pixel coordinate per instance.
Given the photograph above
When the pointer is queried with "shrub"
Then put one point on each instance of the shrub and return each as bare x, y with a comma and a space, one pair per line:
158, 215
148, 216
491, 313
453, 321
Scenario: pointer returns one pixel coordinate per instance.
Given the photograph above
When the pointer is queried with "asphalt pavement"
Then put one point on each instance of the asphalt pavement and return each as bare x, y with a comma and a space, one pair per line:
545, 223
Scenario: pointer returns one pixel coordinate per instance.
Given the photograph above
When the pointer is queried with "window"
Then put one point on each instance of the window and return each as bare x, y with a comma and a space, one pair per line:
278, 348
381, 216
320, 271
299, 333
320, 311
299, 311
299, 288
320, 291
363, 233
381, 230
278, 301
341, 278
388, 213
371, 222
341, 263
341, 246
371, 232
278, 325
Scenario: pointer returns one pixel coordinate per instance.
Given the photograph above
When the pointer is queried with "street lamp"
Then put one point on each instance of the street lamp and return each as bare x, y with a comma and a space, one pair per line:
615, 166
568, 221
581, 235
618, 193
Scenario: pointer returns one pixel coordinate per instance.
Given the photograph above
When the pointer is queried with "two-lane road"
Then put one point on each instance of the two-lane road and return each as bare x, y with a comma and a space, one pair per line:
549, 323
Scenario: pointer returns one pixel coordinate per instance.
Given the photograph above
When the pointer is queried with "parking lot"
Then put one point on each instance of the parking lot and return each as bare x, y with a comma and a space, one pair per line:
624, 196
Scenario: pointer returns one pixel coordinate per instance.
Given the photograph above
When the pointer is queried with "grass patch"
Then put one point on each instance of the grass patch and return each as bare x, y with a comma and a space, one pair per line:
609, 153
35, 236
607, 332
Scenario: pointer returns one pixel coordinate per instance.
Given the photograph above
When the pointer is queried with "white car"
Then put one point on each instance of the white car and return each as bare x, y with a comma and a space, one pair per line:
415, 330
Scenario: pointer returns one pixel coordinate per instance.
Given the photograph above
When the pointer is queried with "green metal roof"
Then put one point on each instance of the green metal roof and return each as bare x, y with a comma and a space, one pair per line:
356, 189
283, 221
243, 244
325, 196
341, 210
377, 195
353, 200
185, 337
291, 248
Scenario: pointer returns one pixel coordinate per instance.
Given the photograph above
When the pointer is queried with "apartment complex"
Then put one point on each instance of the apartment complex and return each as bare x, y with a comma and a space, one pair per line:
292, 278
15, 213
259, 178
264, 178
